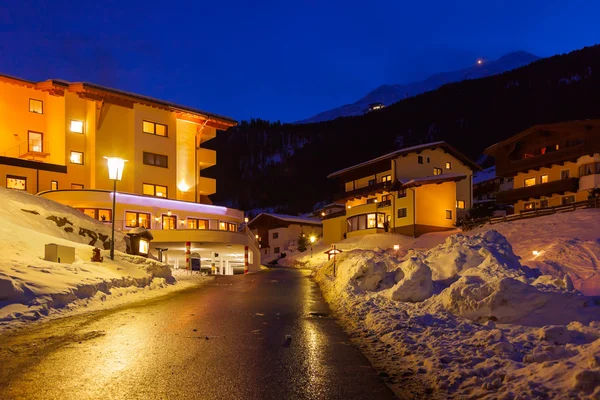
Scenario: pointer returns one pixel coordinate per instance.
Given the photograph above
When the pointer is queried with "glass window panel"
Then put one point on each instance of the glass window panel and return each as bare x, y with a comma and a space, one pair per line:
16, 182
161, 191
35, 142
148, 158
161, 130
148, 189
90, 212
202, 224
529, 182
130, 219
76, 186
54, 185
36, 106
380, 220
148, 127
371, 221
192, 223
76, 157
544, 179
76, 126
222, 226
362, 222
104, 215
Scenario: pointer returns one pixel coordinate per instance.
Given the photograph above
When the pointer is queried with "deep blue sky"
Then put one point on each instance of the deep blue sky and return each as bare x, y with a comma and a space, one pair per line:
282, 60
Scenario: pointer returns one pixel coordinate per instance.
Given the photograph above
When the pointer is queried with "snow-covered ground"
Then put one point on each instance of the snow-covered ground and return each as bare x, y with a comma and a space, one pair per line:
463, 316
32, 288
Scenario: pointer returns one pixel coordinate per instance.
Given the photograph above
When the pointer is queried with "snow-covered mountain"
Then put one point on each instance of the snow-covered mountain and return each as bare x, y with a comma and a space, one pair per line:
389, 94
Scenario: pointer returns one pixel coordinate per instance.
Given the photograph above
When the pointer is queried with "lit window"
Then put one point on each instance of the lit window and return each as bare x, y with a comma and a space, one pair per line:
16, 182
448, 214
529, 182
76, 186
53, 185
36, 106
193, 223
460, 204
529, 206
136, 219
544, 178
35, 142
169, 222
154, 128
371, 221
104, 215
144, 244
437, 171
448, 165
76, 157
386, 178
150, 189
402, 213
76, 126
222, 226
97, 213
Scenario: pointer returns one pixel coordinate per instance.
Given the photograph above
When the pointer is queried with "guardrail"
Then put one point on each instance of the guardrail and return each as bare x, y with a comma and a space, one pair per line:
470, 224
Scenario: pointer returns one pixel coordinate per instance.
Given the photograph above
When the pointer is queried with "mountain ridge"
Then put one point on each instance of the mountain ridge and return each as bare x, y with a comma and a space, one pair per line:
389, 94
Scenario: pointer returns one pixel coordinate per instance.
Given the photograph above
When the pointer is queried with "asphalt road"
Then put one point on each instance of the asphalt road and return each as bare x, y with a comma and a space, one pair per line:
222, 340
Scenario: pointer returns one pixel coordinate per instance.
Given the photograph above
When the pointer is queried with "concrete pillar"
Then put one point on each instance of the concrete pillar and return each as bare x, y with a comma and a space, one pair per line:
221, 266
227, 271
188, 246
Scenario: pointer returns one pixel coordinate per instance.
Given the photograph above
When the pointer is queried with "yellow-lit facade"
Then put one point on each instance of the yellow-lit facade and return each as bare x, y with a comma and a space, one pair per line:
410, 193
55, 135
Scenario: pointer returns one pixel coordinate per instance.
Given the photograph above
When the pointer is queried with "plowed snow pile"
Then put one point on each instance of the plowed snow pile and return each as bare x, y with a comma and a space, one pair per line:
31, 287
466, 319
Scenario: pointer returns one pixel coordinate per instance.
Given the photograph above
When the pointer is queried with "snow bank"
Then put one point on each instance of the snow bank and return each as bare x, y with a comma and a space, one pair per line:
31, 287
465, 319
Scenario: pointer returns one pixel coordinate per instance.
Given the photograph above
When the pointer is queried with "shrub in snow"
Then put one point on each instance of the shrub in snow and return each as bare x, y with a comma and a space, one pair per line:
415, 283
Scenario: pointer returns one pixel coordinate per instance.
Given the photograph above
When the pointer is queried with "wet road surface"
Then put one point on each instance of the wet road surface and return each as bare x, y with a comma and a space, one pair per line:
223, 340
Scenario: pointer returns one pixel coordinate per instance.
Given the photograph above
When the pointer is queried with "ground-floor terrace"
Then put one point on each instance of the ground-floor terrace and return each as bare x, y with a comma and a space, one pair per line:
185, 235
413, 207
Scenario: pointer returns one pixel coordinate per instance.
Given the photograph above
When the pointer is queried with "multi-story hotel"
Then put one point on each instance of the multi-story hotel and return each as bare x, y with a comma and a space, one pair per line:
551, 165
55, 135
411, 191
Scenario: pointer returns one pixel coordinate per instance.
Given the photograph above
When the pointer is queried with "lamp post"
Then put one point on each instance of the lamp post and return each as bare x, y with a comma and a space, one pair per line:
115, 172
312, 240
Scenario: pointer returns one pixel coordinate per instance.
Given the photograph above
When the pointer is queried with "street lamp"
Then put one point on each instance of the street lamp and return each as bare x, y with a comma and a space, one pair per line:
312, 240
115, 172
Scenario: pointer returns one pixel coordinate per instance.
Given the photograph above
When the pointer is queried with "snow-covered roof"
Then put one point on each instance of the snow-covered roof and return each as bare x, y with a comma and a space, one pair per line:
484, 175
407, 150
294, 219
429, 180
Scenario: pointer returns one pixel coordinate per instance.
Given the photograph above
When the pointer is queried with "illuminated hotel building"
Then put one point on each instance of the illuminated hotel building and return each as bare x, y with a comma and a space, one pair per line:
54, 136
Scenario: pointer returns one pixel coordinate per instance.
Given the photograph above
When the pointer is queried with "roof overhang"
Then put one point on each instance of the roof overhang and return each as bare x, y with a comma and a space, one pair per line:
428, 180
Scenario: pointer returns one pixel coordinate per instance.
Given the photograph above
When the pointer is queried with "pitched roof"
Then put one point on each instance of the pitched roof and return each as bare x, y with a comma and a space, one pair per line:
412, 149
78, 86
293, 219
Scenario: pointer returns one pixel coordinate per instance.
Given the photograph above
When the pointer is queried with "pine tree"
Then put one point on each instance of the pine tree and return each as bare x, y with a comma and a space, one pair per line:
302, 243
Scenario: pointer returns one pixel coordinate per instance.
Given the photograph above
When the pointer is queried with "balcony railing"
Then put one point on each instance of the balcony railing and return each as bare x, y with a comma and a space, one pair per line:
365, 191
30, 150
386, 203
537, 191
544, 160
336, 214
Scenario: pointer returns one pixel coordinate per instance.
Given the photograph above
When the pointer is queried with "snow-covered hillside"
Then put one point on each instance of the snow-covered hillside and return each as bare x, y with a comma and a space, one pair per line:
463, 316
390, 94
31, 287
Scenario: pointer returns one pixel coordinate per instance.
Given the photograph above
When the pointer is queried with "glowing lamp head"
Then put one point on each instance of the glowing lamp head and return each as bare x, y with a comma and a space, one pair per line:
169, 213
312, 238
115, 167
322, 213
183, 186
246, 219
256, 236
396, 247
479, 62
535, 252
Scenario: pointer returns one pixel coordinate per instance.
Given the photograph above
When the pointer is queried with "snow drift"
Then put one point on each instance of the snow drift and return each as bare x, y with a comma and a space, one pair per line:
31, 287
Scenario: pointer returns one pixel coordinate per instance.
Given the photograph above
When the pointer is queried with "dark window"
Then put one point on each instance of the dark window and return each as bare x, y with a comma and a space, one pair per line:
402, 213
437, 171
158, 160
275, 235
276, 250
372, 182
565, 174
385, 197
428, 160
16, 182
371, 201
76, 186
448, 214
420, 159
36, 106
154, 128
543, 203
568, 199
574, 142
401, 193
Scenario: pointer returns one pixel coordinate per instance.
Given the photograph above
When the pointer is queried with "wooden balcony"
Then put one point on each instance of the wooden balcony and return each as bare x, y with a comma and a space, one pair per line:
512, 167
537, 191
365, 191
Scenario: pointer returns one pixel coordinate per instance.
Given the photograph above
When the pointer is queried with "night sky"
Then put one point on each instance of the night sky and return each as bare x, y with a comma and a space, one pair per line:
283, 60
